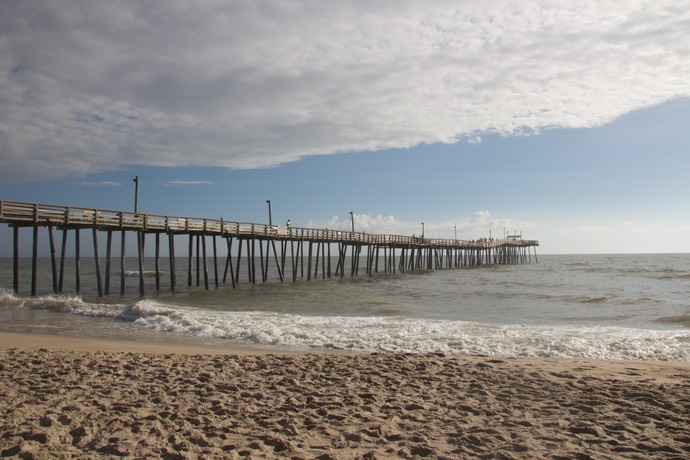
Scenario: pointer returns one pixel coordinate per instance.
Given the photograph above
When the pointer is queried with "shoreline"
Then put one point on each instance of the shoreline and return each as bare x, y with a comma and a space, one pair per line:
76, 397
50, 341
60, 342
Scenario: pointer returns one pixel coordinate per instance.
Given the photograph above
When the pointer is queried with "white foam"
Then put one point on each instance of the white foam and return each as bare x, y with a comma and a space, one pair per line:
382, 334
400, 335
8, 298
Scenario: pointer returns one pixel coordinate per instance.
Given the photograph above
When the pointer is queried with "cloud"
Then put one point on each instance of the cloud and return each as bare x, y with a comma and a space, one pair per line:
479, 225
96, 86
474, 140
363, 223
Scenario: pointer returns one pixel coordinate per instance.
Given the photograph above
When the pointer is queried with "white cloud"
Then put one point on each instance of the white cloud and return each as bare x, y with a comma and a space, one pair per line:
95, 86
480, 225
474, 139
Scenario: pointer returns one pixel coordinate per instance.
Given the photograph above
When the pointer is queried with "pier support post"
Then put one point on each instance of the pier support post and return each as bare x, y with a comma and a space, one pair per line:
278, 267
203, 246
215, 261
140, 243
228, 263
15, 260
309, 261
63, 254
262, 263
53, 258
108, 253
251, 265
239, 260
190, 260
123, 239
171, 254
198, 268
97, 258
77, 262
34, 263
156, 263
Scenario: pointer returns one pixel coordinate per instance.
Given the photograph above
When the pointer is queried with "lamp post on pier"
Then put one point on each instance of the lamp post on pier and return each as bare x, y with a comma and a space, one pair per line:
422, 229
455, 227
136, 194
352, 218
270, 218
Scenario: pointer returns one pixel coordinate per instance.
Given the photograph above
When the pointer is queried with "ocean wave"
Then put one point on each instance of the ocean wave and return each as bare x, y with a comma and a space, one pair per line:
682, 320
386, 334
8, 298
402, 335
147, 273
674, 276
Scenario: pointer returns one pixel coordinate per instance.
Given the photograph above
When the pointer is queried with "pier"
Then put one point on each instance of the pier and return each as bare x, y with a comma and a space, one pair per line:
299, 252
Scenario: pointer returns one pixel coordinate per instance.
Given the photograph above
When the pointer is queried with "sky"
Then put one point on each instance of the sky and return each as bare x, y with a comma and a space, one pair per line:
567, 122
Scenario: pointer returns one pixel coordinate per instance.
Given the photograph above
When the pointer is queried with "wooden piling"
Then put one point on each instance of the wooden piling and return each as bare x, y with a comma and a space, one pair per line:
228, 263
171, 253
97, 257
190, 260
156, 262
108, 253
237, 265
34, 263
53, 259
215, 261
203, 245
122, 262
198, 268
77, 262
15, 260
140, 243
63, 254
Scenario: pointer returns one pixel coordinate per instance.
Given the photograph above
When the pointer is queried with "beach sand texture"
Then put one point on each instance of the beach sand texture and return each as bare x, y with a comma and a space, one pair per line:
84, 404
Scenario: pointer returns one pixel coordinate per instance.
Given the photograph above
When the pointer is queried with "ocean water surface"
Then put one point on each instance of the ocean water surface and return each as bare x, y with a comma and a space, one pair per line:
593, 306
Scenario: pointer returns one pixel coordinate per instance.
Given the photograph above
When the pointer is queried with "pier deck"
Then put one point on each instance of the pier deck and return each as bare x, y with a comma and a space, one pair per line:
413, 253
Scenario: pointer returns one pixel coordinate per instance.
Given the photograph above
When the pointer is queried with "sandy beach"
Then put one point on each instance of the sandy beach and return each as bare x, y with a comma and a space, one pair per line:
64, 397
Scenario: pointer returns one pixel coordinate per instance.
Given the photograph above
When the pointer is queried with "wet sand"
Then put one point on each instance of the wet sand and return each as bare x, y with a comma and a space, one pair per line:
64, 397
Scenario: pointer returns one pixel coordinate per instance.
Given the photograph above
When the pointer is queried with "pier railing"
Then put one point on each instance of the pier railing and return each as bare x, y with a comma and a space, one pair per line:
33, 214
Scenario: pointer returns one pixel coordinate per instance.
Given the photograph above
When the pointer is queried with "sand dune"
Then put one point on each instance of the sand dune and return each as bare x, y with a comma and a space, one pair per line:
70, 403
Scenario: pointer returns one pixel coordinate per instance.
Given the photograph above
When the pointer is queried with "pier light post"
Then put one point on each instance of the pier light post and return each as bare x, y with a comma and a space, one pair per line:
270, 218
136, 194
504, 233
422, 229
455, 227
352, 218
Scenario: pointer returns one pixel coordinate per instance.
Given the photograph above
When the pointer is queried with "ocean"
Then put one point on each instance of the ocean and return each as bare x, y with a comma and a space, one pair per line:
631, 307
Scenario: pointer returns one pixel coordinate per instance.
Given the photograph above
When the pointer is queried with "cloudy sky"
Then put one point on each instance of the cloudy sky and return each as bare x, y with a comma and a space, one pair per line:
566, 121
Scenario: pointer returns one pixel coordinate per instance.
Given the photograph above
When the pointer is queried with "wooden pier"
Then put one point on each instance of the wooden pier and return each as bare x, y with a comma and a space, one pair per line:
277, 247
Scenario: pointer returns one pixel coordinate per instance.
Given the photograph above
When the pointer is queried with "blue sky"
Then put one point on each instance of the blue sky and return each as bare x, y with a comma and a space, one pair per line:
566, 123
